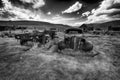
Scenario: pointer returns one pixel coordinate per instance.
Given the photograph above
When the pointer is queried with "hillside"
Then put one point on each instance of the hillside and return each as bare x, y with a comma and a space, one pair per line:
31, 24
115, 23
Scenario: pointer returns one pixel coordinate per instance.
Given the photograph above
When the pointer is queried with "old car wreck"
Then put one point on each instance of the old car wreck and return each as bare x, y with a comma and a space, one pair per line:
73, 39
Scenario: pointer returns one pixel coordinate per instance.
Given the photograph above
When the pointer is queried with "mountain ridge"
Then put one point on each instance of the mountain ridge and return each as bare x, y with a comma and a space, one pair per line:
32, 24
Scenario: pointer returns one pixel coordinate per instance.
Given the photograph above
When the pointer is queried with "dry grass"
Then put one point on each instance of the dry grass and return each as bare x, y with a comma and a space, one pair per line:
18, 64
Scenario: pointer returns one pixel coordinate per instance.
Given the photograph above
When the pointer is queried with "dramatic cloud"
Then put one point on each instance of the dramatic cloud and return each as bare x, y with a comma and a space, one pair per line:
105, 12
75, 7
36, 3
6, 4
18, 13
57, 19
108, 10
11, 12
37, 10
86, 13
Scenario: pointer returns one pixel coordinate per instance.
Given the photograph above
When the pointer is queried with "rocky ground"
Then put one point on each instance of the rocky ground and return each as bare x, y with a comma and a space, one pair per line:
19, 63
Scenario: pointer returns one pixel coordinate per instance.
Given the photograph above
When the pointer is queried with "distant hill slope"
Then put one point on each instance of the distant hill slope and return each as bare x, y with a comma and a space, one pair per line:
31, 24
115, 23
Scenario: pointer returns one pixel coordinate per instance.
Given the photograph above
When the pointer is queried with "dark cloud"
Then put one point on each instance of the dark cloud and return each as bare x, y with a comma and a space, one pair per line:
19, 3
6, 15
91, 1
56, 6
115, 13
117, 5
62, 0
85, 1
1, 4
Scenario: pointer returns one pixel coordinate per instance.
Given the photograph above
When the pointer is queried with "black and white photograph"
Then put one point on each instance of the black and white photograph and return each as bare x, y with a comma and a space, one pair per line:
59, 39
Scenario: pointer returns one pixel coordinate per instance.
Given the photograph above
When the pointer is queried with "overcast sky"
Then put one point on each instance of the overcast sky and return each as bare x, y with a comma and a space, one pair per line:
70, 12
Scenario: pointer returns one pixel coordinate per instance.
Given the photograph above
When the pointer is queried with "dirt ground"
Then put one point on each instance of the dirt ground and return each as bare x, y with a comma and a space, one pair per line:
19, 63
